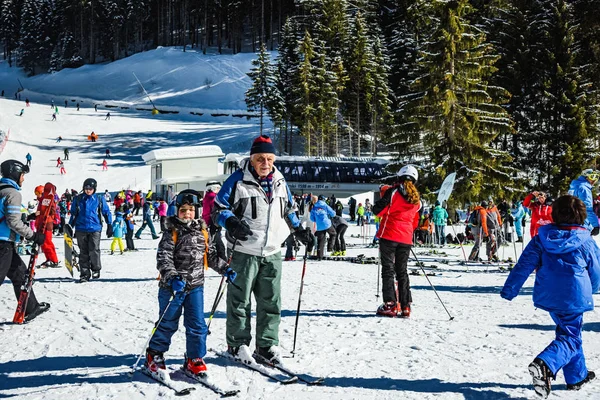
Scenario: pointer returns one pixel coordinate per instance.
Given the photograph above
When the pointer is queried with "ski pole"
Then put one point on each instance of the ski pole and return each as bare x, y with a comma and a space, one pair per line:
299, 300
431, 284
512, 234
378, 267
459, 242
221, 291
134, 367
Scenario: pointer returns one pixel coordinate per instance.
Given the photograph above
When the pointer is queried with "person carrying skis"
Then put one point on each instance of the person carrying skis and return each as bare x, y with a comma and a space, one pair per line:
582, 189
28, 159
399, 211
119, 228
321, 214
48, 246
518, 214
12, 228
479, 228
183, 253
540, 205
256, 207
567, 263
87, 210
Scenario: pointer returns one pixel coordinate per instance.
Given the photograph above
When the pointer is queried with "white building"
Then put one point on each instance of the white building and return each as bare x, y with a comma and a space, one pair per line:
174, 169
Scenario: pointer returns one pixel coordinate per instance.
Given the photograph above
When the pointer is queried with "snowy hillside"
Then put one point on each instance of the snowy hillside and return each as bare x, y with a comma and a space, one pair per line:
172, 78
83, 347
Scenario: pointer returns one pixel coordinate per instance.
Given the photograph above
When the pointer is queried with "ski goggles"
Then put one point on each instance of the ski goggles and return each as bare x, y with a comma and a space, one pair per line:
190, 197
88, 187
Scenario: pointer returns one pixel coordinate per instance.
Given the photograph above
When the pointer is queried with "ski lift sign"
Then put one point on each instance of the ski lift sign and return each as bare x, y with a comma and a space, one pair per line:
446, 189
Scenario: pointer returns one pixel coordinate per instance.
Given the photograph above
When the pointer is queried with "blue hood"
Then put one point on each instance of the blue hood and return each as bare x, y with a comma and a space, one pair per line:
561, 241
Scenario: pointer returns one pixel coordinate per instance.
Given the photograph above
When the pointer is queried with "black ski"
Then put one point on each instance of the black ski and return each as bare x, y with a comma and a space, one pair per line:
163, 380
204, 380
309, 380
261, 369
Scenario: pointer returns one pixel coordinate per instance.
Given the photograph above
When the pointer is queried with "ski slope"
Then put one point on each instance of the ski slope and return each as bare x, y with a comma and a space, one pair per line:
83, 347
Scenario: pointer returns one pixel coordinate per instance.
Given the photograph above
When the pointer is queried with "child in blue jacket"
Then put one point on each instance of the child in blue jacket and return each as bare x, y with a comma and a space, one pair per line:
119, 230
567, 261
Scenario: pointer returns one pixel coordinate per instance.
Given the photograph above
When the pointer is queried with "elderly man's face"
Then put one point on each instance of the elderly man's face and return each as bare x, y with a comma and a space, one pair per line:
262, 163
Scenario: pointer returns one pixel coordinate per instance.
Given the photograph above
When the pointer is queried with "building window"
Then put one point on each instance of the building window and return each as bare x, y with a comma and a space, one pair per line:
158, 172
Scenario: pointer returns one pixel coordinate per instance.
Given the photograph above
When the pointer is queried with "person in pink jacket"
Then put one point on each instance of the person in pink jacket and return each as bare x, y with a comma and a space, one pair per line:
162, 213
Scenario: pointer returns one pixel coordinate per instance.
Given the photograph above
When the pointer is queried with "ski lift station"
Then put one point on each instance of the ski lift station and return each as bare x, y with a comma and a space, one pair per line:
174, 169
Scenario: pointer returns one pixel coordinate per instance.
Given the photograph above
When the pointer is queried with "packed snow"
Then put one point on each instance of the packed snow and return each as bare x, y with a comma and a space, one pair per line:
84, 346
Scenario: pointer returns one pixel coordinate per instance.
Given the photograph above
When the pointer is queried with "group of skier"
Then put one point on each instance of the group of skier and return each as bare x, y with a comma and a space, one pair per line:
256, 208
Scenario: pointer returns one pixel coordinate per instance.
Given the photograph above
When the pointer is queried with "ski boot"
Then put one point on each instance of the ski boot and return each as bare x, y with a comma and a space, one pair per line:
541, 375
96, 275
112, 252
343, 253
405, 313
155, 360
388, 309
196, 366
242, 353
576, 386
271, 355
41, 308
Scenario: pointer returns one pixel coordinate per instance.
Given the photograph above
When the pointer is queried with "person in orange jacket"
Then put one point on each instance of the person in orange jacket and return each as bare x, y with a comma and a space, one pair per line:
479, 228
540, 205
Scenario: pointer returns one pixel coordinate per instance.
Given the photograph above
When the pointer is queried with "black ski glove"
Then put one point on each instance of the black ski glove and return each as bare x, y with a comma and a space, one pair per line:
31, 217
38, 238
486, 239
109, 231
238, 229
595, 231
302, 235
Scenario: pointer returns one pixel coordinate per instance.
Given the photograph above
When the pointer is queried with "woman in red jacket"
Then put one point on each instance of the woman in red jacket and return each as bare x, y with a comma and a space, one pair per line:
399, 213
541, 210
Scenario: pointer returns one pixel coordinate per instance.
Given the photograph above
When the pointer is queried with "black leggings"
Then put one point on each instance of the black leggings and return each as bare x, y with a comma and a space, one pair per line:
394, 262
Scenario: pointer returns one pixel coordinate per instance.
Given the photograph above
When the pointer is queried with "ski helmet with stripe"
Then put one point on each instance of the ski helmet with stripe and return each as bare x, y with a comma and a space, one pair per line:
12, 169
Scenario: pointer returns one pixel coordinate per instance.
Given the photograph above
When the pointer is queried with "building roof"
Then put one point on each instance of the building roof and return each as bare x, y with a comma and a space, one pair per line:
183, 152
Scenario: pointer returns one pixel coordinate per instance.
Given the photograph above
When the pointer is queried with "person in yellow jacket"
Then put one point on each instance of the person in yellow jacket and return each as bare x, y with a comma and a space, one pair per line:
361, 215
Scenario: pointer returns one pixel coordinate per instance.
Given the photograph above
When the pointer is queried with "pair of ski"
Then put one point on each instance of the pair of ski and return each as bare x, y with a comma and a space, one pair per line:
276, 372
162, 377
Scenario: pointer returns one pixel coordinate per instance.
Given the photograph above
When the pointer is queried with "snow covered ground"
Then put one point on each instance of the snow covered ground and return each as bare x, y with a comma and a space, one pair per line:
82, 347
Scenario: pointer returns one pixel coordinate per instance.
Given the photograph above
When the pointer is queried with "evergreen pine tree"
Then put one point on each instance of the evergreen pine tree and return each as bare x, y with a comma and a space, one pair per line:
455, 113
263, 81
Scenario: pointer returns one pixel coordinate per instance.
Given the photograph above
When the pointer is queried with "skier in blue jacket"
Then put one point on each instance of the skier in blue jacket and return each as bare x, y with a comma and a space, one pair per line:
321, 214
567, 261
582, 188
87, 210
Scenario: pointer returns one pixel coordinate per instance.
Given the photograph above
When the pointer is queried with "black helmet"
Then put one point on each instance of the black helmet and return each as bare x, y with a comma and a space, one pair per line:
189, 196
90, 183
484, 204
12, 169
321, 197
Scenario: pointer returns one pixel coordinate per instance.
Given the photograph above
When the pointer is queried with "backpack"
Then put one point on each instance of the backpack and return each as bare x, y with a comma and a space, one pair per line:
205, 233
474, 218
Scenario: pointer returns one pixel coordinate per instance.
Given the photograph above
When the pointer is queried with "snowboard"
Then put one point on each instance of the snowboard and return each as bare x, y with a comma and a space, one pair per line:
46, 205
71, 255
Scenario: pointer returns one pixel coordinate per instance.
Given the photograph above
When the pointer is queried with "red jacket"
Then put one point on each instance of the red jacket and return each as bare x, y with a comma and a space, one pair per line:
540, 214
399, 219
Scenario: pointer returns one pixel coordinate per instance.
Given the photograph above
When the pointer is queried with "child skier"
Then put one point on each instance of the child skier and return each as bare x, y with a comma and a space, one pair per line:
119, 228
567, 261
183, 252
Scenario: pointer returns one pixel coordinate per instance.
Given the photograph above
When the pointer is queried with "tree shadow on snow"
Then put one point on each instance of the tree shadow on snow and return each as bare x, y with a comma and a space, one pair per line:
470, 390
528, 291
45, 365
310, 313
588, 327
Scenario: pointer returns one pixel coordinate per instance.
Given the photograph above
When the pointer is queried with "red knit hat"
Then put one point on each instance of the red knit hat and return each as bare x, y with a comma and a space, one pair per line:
262, 144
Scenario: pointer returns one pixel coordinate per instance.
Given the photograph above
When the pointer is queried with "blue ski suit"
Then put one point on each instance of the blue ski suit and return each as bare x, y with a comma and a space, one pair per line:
567, 261
518, 214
